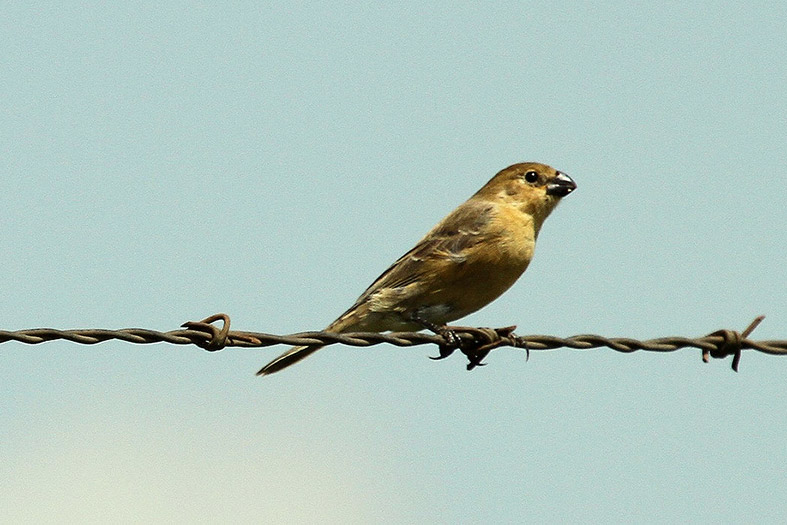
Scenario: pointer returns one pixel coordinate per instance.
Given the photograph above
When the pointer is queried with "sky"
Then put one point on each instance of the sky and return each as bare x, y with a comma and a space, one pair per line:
164, 161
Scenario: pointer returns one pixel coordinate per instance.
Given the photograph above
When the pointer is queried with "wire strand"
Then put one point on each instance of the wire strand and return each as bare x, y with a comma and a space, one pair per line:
475, 343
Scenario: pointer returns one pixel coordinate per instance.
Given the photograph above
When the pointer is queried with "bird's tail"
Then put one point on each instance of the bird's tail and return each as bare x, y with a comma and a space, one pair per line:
290, 357
349, 321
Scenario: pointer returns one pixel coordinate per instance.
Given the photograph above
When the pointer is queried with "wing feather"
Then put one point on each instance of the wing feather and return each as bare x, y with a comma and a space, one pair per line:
447, 241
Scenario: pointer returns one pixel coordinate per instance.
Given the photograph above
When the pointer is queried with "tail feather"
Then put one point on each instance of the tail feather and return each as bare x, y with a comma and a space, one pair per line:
349, 321
290, 357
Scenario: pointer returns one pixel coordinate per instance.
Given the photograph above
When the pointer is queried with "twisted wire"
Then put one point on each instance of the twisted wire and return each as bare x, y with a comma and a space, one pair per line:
474, 342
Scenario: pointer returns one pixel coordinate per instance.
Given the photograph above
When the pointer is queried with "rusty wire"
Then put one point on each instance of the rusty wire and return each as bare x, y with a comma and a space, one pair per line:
475, 343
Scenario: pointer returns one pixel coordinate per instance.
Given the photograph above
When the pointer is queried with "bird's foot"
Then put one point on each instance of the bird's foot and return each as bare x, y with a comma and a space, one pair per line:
483, 341
452, 341
474, 343
451, 338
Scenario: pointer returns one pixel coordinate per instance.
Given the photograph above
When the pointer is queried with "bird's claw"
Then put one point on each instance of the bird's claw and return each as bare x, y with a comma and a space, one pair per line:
476, 357
445, 351
450, 337
476, 347
452, 342
484, 341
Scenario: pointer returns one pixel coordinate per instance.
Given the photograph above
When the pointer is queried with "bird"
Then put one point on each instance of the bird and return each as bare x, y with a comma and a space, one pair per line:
465, 262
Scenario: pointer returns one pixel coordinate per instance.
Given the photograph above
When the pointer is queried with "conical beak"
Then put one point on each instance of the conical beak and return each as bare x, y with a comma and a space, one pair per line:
561, 185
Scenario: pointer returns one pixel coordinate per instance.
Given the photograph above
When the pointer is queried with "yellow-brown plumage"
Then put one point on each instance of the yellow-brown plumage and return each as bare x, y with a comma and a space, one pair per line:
465, 262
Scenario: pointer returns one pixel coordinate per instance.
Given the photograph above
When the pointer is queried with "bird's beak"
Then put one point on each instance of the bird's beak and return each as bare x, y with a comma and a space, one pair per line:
561, 185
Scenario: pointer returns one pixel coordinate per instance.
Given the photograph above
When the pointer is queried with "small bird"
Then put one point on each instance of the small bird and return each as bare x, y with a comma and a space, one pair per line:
465, 262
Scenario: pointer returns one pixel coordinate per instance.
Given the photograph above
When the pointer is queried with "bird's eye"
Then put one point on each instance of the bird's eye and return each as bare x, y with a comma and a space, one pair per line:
531, 177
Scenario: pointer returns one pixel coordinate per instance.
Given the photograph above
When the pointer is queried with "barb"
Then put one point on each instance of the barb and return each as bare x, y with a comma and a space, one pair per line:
475, 343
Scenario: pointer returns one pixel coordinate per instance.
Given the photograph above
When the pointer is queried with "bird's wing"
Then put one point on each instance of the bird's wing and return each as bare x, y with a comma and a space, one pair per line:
446, 242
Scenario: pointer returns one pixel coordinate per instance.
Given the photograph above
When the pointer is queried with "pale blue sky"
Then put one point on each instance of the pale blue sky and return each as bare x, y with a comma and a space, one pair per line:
163, 161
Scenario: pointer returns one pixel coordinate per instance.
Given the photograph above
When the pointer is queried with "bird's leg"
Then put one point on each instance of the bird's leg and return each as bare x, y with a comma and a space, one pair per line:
452, 341
484, 340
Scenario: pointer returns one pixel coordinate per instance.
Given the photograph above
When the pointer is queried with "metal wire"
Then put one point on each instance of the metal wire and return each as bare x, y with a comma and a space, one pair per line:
475, 343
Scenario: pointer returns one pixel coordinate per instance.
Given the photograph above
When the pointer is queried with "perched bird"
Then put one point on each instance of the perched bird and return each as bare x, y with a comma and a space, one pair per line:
465, 262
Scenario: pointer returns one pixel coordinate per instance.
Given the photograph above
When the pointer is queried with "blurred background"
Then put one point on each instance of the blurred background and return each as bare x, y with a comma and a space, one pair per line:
160, 162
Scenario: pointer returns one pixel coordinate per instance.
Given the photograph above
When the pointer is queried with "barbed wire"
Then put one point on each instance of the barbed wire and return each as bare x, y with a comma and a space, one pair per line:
475, 343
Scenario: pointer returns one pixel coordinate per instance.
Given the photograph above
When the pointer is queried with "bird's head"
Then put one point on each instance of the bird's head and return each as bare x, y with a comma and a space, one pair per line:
532, 187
